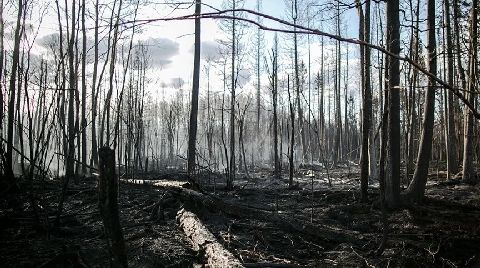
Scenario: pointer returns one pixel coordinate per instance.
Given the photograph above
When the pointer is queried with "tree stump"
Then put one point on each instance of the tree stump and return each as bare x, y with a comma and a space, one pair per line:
108, 206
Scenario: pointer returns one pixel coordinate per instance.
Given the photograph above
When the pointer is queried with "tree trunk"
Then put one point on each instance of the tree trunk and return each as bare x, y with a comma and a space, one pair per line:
412, 111
11, 103
338, 116
84, 92
192, 135
70, 170
456, 28
94, 160
292, 135
416, 189
2, 59
297, 86
258, 71
366, 104
232, 169
469, 174
275, 104
108, 206
392, 183
450, 133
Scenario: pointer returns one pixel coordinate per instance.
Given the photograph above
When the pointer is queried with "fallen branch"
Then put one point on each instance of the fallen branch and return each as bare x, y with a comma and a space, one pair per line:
204, 241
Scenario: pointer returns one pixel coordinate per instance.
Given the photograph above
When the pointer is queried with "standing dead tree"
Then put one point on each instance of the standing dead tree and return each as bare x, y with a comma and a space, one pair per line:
192, 131
108, 206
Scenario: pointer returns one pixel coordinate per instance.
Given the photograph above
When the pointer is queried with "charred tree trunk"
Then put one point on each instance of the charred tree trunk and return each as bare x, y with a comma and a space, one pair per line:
366, 104
468, 145
232, 169
456, 28
94, 160
412, 96
392, 183
338, 116
416, 189
11, 103
192, 135
2, 60
275, 104
450, 133
292, 135
108, 206
84, 92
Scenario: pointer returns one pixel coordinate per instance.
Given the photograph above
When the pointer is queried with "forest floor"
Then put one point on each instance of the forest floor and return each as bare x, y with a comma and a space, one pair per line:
443, 231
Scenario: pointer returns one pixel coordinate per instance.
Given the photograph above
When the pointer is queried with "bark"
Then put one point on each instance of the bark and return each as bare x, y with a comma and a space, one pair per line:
204, 241
382, 173
392, 183
232, 169
297, 86
469, 174
11, 103
2, 57
70, 171
292, 135
322, 102
108, 206
412, 111
276, 160
94, 160
258, 70
456, 28
84, 92
366, 111
338, 116
192, 135
368, 96
450, 133
416, 189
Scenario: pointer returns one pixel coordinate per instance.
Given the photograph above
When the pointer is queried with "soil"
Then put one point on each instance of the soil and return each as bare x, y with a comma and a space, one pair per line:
442, 231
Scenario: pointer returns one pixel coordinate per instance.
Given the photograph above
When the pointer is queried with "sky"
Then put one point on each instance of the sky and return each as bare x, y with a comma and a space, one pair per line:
171, 43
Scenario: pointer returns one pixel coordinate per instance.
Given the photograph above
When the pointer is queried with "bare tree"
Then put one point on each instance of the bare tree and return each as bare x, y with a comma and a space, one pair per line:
83, 126
12, 89
392, 183
273, 77
2, 59
192, 135
416, 189
450, 133
468, 150
94, 159
364, 33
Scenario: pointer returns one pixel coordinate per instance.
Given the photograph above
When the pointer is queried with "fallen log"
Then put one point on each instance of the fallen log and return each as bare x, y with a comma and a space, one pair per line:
204, 241
197, 200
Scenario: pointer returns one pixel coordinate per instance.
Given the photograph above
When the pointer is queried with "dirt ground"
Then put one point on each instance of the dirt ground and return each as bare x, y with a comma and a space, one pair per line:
443, 231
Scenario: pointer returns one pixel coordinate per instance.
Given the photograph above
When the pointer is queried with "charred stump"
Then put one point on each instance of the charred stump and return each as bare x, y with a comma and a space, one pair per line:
108, 206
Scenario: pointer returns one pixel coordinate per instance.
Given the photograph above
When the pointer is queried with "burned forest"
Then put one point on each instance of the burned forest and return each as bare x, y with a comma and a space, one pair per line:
239, 133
